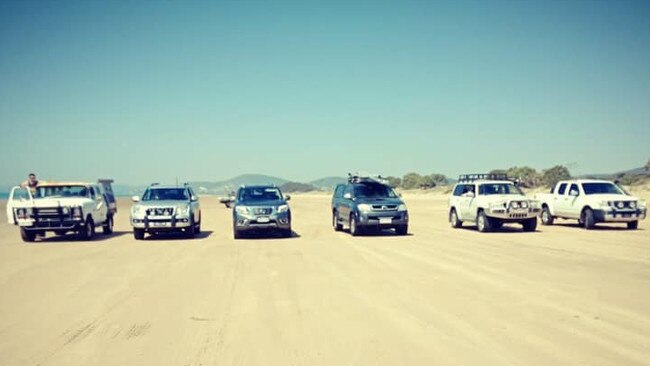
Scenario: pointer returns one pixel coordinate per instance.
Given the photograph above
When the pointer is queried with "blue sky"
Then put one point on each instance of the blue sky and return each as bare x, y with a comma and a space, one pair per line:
151, 91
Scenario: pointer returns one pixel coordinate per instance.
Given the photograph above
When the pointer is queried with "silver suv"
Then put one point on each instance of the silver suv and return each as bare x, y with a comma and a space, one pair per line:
166, 209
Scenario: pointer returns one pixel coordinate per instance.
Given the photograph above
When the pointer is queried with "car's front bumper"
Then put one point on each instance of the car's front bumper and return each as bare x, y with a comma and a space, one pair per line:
160, 223
50, 224
251, 222
610, 215
387, 220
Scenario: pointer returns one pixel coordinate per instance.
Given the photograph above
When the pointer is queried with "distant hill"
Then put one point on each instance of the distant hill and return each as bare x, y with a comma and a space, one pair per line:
632, 172
234, 183
328, 183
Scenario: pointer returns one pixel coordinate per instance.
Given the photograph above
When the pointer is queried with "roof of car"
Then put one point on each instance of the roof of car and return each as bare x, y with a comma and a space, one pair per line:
585, 181
479, 181
260, 186
166, 186
63, 184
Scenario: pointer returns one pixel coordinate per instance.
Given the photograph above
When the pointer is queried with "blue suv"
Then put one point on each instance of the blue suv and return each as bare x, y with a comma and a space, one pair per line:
259, 208
368, 203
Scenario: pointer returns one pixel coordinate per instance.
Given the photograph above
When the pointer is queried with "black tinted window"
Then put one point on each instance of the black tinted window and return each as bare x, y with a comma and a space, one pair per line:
162, 194
601, 188
373, 191
249, 194
458, 190
562, 188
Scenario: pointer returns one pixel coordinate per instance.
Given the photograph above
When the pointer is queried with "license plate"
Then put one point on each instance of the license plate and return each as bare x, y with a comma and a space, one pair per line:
627, 215
385, 220
158, 224
262, 219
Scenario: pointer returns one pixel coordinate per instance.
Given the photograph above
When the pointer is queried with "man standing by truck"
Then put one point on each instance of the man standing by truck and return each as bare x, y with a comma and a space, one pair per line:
30, 183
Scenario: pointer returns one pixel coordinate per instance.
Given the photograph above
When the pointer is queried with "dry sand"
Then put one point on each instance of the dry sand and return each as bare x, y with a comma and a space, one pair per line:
560, 296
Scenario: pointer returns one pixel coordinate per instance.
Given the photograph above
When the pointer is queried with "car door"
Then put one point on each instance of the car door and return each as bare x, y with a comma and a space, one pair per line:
195, 207
573, 202
18, 196
100, 208
345, 207
560, 200
465, 201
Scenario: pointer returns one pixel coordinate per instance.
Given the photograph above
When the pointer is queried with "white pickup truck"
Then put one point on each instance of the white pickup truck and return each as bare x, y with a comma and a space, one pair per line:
61, 208
591, 202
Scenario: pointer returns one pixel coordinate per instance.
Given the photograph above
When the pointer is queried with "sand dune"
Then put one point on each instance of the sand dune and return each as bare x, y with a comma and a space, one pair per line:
559, 296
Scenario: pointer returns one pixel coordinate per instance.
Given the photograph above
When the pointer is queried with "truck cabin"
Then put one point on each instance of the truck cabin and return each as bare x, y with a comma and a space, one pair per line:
66, 190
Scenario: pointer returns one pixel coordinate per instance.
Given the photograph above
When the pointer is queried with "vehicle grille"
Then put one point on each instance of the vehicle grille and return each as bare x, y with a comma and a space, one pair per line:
160, 211
50, 212
262, 211
622, 205
384, 207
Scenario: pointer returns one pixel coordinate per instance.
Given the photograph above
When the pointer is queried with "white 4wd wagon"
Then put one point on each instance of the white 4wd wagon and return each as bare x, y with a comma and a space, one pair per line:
77, 207
491, 200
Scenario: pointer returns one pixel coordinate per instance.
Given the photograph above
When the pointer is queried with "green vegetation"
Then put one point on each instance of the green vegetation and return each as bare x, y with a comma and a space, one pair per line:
415, 181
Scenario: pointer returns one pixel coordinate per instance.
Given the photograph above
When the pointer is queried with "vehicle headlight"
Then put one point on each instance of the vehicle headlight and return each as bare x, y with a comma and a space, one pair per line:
76, 212
641, 204
242, 210
514, 204
524, 204
401, 207
364, 207
183, 210
620, 204
605, 204
283, 208
136, 210
632, 204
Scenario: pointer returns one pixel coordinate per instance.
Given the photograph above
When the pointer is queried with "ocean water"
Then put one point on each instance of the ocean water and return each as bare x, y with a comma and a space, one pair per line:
4, 195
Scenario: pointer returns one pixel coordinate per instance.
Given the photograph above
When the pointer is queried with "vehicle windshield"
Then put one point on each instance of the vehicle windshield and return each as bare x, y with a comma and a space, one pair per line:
498, 188
61, 191
256, 194
373, 191
166, 194
601, 188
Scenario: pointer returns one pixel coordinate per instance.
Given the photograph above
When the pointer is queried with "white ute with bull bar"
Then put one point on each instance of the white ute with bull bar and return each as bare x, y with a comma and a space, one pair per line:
62, 207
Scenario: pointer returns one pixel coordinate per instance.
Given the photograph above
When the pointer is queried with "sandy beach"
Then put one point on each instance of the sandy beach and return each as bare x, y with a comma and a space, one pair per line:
559, 296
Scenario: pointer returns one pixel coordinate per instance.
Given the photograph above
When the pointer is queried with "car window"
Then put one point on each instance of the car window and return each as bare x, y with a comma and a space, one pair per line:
162, 194
574, 188
249, 194
601, 188
458, 190
373, 191
339, 190
562, 188
499, 188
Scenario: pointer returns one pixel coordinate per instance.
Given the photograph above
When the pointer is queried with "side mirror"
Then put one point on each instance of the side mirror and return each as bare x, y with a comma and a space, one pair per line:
287, 197
399, 195
135, 199
574, 193
347, 196
194, 198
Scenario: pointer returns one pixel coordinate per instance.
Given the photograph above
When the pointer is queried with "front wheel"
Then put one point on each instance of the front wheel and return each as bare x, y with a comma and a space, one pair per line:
530, 225
402, 230
483, 222
27, 236
87, 231
588, 219
138, 234
547, 218
453, 219
633, 225
354, 228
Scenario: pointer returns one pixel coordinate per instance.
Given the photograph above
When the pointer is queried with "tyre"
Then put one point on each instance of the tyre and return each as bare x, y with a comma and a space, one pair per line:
335, 222
633, 225
286, 233
87, 231
354, 227
402, 230
236, 234
190, 231
453, 219
530, 225
198, 228
27, 236
138, 234
588, 219
547, 218
483, 222
107, 228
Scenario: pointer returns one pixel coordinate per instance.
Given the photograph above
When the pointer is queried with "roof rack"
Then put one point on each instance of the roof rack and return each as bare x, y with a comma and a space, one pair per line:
366, 178
489, 176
